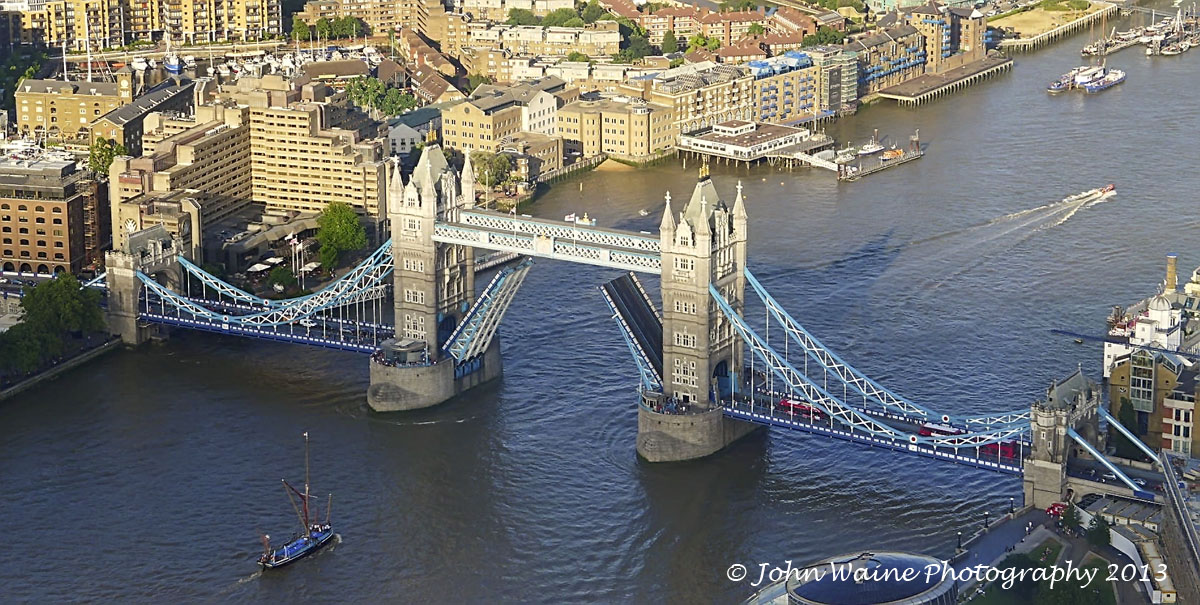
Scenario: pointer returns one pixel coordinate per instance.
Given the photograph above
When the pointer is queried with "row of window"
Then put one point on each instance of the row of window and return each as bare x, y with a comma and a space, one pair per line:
25, 254
24, 208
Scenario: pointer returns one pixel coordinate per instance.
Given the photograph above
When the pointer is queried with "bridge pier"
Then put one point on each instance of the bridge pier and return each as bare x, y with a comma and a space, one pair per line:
413, 387
677, 437
149, 252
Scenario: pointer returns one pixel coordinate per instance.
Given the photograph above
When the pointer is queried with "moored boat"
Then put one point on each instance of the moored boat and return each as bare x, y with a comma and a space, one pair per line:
893, 154
316, 534
1110, 79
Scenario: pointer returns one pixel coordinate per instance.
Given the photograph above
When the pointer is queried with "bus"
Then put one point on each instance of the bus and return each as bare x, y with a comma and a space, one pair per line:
799, 408
1005, 449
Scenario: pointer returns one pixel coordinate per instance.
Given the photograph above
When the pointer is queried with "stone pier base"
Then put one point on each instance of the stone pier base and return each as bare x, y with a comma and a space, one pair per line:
395, 389
1045, 483
675, 437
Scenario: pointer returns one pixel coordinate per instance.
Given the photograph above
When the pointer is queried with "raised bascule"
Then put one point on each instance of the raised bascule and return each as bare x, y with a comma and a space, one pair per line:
708, 375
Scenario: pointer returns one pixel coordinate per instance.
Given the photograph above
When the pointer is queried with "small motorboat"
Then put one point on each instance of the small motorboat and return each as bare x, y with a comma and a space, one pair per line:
316, 534
1078, 341
139, 64
644, 212
893, 154
872, 146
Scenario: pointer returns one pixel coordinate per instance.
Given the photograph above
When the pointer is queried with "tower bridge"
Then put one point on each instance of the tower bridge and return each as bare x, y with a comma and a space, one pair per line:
707, 374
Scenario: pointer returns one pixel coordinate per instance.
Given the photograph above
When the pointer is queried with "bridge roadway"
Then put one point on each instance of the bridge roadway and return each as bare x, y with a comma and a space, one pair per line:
327, 332
558, 240
764, 410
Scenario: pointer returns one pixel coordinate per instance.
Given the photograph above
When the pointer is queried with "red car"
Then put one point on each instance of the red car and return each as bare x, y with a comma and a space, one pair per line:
798, 408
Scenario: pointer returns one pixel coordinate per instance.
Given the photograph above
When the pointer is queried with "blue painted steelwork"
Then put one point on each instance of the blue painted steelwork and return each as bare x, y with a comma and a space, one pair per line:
468, 367
542, 246
858, 381
1137, 491
741, 411
1113, 422
804, 389
379, 261
473, 335
366, 275
261, 332
96, 282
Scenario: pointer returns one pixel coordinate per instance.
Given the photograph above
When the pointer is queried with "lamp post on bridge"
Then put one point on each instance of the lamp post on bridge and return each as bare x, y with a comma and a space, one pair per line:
987, 516
1011, 509
959, 540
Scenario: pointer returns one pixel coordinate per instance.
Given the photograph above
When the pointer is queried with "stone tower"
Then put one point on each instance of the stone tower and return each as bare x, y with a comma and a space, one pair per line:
702, 356
1071, 403
434, 286
434, 283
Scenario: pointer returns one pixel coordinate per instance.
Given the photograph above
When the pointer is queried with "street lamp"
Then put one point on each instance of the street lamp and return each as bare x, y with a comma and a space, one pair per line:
987, 515
1011, 510
960, 540
487, 193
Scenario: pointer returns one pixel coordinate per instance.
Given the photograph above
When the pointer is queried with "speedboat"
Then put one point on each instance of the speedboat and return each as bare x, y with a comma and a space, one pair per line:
316, 534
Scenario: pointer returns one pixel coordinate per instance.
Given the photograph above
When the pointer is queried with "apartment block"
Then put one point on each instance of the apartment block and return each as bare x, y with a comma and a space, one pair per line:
533, 154
380, 16
731, 26
67, 109
207, 151
108, 23
497, 10
49, 215
786, 89
622, 127
893, 56
700, 94
125, 123
953, 36
494, 113
599, 39
683, 20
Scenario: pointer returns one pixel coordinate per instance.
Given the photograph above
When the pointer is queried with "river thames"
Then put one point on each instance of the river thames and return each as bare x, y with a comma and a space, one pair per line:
150, 474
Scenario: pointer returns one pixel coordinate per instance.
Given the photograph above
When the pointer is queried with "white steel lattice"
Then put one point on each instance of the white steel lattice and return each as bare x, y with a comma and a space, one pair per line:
607, 238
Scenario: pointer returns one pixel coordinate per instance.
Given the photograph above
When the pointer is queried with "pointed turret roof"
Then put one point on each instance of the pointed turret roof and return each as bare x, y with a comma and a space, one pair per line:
429, 167
699, 208
668, 221
468, 172
739, 205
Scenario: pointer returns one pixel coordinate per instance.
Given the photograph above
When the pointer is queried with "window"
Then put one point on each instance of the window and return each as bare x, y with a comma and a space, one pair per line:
685, 373
683, 339
685, 264
682, 306
414, 296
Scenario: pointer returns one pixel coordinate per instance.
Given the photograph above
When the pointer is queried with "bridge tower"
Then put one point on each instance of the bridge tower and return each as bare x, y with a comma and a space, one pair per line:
434, 286
702, 355
1070, 404
151, 252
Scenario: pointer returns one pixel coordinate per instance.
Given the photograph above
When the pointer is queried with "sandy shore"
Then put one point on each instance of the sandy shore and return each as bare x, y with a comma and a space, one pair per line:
611, 166
1038, 21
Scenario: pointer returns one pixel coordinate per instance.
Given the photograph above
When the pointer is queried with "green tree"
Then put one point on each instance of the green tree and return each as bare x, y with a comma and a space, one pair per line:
1098, 533
574, 22
854, 4
490, 168
474, 80
824, 35
299, 28
592, 12
1070, 516
283, 276
1023, 588
559, 17
739, 5
101, 155
324, 27
339, 229
756, 29
51, 311
520, 16
396, 102
669, 43
578, 56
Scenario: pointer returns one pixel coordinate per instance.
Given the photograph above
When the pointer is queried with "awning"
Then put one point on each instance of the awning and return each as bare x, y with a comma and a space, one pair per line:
274, 260
309, 267
256, 267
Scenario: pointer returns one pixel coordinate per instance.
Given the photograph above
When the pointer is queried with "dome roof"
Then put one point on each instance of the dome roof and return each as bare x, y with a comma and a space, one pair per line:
887, 581
1160, 303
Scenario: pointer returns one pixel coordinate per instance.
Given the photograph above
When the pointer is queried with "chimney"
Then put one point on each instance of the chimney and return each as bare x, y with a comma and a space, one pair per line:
1169, 286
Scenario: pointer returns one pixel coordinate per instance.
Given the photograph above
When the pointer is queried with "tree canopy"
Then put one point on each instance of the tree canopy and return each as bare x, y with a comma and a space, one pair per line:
101, 155
51, 312
1098, 533
670, 44
559, 17
338, 231
704, 42
474, 80
756, 29
324, 27
490, 168
373, 93
592, 12
824, 35
578, 56
299, 28
739, 5
520, 16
